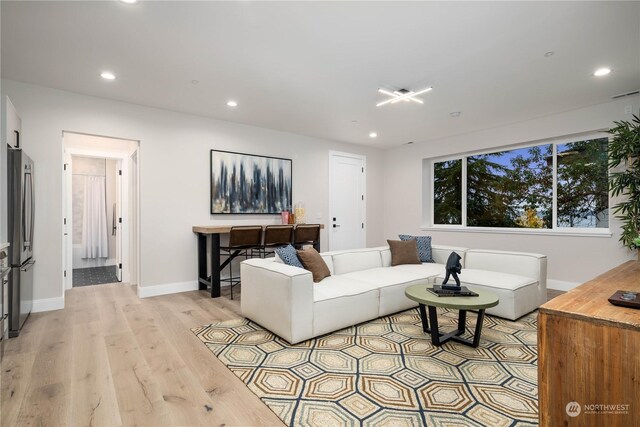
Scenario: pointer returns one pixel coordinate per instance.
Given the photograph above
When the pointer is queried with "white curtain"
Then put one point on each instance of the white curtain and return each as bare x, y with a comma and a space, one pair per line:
94, 218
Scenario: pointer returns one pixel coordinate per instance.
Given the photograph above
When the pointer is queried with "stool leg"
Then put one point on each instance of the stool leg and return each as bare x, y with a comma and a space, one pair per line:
231, 277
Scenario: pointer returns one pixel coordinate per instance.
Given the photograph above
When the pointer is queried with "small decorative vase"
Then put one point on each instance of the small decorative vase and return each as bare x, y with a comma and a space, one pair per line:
284, 215
299, 212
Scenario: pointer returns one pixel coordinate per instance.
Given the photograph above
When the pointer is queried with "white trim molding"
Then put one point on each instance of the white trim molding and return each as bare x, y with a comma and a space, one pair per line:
577, 232
561, 285
47, 304
167, 288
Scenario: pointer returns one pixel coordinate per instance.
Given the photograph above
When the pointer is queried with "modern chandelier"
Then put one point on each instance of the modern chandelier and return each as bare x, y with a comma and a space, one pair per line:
401, 95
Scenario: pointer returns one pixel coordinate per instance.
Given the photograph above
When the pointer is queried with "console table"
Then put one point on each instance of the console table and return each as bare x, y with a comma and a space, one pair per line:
589, 353
213, 281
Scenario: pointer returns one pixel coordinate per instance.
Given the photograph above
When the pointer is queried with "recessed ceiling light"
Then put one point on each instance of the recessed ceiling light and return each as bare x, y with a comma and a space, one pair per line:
373, 135
455, 113
129, 1
107, 75
549, 54
232, 104
602, 72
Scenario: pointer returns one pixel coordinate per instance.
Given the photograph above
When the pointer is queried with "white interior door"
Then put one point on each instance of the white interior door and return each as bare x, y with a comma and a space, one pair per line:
117, 220
67, 229
346, 201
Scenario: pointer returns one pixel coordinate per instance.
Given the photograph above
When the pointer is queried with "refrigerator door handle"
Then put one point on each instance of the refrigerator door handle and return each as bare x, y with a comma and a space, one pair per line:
25, 241
27, 237
28, 265
33, 202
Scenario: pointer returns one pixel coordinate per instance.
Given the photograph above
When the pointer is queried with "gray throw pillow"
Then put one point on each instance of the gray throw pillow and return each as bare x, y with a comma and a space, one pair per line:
289, 256
424, 246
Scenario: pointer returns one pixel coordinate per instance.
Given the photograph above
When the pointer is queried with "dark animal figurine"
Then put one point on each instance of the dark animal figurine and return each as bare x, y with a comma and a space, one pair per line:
453, 269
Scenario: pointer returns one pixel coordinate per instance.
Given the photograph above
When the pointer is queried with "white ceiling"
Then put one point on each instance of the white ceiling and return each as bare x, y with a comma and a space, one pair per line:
314, 68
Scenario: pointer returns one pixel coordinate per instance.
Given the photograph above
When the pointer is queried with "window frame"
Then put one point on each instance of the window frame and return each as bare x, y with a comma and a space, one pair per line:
553, 230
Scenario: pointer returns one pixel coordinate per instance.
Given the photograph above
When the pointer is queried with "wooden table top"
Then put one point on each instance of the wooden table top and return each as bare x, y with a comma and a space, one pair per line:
420, 294
225, 228
589, 301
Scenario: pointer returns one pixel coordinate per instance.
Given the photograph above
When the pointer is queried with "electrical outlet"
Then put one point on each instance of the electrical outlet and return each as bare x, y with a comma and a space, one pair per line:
628, 109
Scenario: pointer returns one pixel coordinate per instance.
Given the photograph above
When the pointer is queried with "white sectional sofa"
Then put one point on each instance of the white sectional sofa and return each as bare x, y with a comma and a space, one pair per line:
364, 286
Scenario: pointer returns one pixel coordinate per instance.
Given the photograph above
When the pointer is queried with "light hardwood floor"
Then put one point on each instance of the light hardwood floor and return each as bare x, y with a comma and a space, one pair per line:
111, 359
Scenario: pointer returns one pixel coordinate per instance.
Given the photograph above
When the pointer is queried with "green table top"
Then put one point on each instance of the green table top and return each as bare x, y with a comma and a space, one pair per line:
420, 294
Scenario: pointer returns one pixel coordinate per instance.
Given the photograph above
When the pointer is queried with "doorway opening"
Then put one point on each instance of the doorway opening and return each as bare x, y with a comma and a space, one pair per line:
100, 232
95, 211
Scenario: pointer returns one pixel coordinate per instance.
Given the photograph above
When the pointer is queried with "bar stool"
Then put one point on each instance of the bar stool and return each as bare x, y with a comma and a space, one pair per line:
242, 239
307, 234
276, 236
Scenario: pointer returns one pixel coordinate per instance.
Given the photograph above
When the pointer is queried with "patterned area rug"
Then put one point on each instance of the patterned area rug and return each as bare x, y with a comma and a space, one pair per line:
387, 373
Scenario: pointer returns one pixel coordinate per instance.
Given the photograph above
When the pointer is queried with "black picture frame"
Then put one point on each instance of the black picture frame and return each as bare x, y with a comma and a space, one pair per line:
242, 183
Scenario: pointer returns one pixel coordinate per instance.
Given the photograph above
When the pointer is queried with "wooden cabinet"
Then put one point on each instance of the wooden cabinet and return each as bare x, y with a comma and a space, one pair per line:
589, 354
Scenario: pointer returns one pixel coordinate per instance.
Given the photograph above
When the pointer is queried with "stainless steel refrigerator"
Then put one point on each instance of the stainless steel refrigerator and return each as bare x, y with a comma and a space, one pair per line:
21, 204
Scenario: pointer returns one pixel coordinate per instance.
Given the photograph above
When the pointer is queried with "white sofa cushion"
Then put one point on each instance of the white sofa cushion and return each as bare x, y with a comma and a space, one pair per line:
518, 295
347, 310
393, 299
441, 253
427, 269
280, 297
492, 279
384, 276
328, 259
520, 263
346, 262
340, 286
392, 281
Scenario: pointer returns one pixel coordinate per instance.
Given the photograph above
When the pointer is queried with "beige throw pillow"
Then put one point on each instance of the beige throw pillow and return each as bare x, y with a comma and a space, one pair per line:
404, 252
312, 261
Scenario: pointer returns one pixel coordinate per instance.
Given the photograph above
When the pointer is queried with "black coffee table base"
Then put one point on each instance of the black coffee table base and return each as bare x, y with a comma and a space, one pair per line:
438, 338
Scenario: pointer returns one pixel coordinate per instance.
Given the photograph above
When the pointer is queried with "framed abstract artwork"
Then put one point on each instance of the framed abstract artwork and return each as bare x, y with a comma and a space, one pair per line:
249, 184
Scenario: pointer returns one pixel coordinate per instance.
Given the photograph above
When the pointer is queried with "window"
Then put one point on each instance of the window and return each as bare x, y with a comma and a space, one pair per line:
583, 187
515, 188
447, 192
511, 188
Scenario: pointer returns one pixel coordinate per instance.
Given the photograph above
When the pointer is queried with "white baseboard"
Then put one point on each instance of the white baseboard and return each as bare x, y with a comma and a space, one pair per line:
561, 285
47, 304
167, 288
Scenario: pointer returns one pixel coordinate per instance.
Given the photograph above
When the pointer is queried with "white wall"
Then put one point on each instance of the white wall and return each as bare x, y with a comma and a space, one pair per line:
174, 176
570, 258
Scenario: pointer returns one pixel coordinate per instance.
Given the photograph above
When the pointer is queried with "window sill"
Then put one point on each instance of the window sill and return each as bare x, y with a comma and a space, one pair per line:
600, 232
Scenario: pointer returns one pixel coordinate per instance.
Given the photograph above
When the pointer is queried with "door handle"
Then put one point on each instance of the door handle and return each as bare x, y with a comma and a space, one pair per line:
336, 225
28, 265
33, 217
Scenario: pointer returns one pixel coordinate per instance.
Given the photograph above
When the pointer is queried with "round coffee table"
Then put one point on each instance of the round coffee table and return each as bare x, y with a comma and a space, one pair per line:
422, 296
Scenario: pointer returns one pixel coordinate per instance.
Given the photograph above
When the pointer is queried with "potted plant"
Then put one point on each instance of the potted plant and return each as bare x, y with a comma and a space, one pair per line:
624, 149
